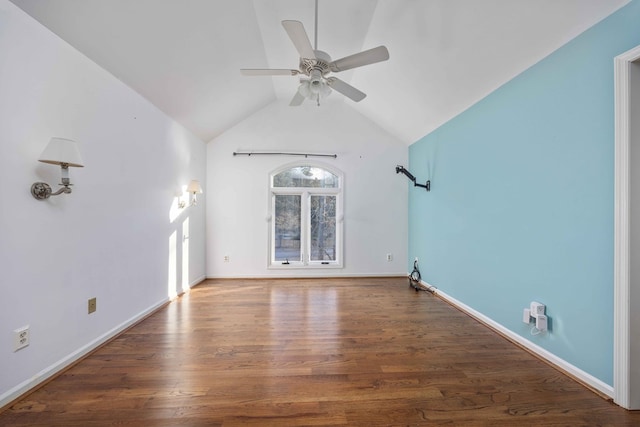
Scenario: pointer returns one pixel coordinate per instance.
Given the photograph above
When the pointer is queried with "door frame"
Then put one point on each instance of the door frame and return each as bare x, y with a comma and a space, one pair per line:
622, 279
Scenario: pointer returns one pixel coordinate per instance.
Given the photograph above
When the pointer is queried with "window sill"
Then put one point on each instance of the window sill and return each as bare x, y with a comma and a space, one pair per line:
300, 266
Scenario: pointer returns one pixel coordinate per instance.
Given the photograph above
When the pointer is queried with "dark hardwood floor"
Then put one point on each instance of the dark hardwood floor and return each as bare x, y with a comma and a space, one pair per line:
330, 352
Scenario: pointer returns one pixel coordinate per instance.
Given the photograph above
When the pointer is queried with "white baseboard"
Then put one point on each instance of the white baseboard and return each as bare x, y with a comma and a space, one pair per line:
42, 376
562, 364
55, 368
197, 281
324, 275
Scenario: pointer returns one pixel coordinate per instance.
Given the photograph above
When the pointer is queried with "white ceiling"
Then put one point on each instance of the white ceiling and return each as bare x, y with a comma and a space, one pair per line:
184, 55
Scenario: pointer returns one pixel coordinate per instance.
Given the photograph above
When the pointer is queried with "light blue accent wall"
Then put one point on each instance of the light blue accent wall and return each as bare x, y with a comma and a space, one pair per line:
522, 198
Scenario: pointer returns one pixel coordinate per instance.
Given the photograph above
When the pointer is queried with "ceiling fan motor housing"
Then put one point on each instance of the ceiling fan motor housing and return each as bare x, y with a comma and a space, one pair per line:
316, 67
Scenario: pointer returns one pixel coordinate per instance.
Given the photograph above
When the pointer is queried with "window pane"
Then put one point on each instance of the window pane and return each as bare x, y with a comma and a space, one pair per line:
287, 228
323, 228
306, 176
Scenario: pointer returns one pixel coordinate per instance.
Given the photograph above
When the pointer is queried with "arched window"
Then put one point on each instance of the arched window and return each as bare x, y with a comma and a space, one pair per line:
306, 217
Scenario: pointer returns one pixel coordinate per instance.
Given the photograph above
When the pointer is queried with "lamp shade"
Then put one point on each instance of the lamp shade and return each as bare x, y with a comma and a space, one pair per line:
194, 187
62, 151
310, 91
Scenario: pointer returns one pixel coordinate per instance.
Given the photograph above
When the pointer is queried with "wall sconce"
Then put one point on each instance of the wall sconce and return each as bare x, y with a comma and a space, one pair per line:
193, 188
63, 152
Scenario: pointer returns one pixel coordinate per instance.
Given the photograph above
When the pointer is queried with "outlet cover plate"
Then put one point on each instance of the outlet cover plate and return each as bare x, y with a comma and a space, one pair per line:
93, 305
20, 338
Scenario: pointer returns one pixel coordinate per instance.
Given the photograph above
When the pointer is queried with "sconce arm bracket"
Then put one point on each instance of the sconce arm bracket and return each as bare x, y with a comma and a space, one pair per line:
42, 190
401, 169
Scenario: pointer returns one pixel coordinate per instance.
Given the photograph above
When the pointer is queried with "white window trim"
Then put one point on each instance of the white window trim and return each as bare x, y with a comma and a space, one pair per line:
306, 193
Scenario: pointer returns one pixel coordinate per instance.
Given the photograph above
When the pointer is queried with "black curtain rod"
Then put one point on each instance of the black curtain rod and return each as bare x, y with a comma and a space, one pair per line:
268, 153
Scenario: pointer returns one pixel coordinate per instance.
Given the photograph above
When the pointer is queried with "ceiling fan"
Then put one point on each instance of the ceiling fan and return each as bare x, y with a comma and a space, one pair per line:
317, 65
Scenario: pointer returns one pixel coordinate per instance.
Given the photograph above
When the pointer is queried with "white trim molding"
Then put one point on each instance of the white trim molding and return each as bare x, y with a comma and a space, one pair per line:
562, 364
621, 254
62, 364
323, 274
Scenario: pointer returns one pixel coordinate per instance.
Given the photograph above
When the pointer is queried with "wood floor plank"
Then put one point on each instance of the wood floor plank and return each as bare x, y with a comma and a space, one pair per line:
321, 352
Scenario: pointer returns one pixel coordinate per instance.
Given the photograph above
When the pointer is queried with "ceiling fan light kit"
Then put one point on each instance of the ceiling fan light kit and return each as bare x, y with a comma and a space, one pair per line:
317, 65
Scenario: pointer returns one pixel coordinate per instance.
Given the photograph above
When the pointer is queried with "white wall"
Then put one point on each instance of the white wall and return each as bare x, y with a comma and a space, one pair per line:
375, 198
111, 237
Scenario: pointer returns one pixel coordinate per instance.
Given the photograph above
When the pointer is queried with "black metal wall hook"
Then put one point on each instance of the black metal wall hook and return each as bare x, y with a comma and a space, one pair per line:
401, 169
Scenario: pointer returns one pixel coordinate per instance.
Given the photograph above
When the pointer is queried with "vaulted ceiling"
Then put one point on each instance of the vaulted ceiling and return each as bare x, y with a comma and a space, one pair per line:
184, 56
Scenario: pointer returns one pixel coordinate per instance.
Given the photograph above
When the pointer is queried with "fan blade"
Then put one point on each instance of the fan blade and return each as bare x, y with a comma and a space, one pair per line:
371, 56
346, 89
299, 37
268, 72
296, 100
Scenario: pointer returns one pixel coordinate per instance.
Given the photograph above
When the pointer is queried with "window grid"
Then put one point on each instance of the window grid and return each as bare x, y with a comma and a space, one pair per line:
306, 212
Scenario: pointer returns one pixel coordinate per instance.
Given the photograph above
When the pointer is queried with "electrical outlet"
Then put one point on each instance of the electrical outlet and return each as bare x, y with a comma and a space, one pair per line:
536, 308
226, 258
389, 257
93, 305
541, 322
20, 338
